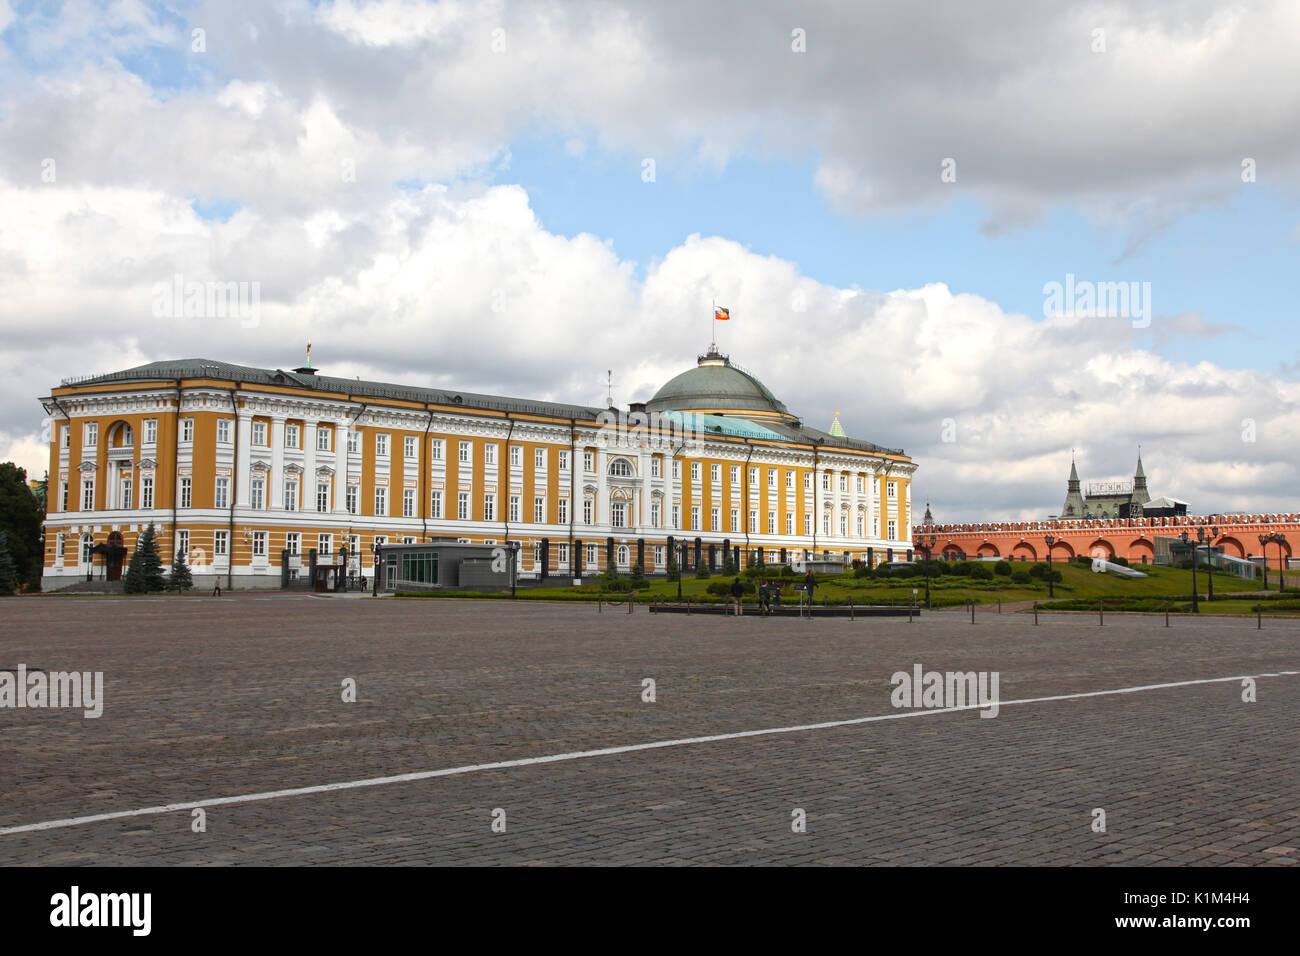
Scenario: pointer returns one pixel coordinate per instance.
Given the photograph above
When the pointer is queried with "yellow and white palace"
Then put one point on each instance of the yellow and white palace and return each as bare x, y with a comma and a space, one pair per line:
237, 466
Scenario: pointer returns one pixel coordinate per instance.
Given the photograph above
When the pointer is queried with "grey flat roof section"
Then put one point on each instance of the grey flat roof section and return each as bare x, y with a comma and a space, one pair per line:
205, 368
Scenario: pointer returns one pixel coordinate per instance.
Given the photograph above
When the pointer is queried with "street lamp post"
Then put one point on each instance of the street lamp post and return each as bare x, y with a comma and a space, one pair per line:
1209, 558
681, 558
921, 544
1280, 539
1051, 591
1196, 597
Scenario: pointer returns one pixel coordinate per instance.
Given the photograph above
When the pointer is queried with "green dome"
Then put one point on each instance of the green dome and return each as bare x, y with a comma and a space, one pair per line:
716, 384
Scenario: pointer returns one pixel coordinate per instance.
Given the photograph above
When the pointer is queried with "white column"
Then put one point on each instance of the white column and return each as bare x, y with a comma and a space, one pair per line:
243, 459
340, 465
275, 479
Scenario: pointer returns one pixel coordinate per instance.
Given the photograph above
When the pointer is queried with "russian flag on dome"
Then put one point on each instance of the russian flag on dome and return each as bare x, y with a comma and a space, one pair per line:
721, 314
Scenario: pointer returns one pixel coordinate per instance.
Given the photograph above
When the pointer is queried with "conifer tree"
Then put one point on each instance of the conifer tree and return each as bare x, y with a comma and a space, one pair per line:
144, 573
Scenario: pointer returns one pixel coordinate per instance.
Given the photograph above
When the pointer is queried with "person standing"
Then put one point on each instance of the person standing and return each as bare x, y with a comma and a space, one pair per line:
810, 583
738, 592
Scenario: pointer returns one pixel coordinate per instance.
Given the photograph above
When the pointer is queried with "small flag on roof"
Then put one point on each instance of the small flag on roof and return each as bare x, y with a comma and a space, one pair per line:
721, 314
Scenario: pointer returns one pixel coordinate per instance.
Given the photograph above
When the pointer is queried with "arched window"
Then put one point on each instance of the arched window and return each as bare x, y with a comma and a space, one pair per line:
621, 468
87, 542
624, 556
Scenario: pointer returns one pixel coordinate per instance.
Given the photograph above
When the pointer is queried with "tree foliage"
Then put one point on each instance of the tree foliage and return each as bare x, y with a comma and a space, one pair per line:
144, 572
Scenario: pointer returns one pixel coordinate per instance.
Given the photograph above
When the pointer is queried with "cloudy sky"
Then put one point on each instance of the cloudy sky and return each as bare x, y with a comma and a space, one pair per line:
516, 198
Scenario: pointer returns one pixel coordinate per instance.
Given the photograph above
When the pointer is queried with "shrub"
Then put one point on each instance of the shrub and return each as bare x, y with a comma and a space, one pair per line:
960, 568
884, 571
702, 571
637, 577
1038, 571
1020, 576
672, 572
1002, 568
981, 572
1083, 559
863, 571
1122, 562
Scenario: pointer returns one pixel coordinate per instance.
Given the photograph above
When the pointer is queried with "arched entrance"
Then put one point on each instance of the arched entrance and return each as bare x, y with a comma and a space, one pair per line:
114, 552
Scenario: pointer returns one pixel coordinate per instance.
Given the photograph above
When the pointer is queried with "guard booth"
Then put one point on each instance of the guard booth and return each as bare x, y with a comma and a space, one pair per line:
446, 564
319, 572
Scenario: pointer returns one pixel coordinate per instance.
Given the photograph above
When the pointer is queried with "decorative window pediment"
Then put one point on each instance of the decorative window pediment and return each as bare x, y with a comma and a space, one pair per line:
87, 466
324, 471
293, 469
147, 463
260, 466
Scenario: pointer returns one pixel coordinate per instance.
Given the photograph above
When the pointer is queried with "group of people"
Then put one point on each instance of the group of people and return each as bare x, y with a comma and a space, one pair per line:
769, 594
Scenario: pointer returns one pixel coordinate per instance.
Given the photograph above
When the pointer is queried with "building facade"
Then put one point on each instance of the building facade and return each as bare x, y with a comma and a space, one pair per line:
236, 466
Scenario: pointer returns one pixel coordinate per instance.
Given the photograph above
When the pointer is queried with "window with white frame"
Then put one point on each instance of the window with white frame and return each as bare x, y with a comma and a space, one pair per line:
187, 429
463, 453
408, 446
618, 514
514, 508
151, 431
655, 509
564, 460
462, 506
861, 485
293, 543
436, 449
259, 434
753, 477
354, 442
516, 456
826, 523
695, 471
257, 493
789, 481
563, 514
735, 520
490, 455
221, 493
381, 501
489, 507
844, 525
893, 530
826, 481
753, 522
588, 461
63, 496
844, 484
224, 431
324, 544
90, 434
381, 445
220, 544
322, 496
562, 555
323, 438
591, 557
789, 523
408, 502
695, 518
807, 526
539, 459
715, 519
677, 512
656, 467
660, 551
588, 508
771, 522
183, 545
891, 490
146, 491
291, 436
735, 475
539, 510
290, 494
65, 434
875, 526
771, 477
126, 492
807, 481
715, 473
435, 504
187, 492
621, 468
350, 495
861, 526
677, 469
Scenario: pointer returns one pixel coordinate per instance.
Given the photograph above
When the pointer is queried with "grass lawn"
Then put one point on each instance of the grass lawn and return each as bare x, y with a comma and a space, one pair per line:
1079, 583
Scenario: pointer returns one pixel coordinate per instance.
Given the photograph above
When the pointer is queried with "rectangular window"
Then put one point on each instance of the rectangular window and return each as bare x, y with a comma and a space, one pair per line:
677, 469
324, 544
862, 485
290, 495
257, 493
291, 437
354, 443
844, 526
187, 429
436, 449
789, 523
807, 481
464, 452
490, 454
618, 514
656, 467
408, 446
516, 456
735, 474
259, 544
753, 522
715, 473
259, 434
826, 523
146, 491
65, 434
408, 502
462, 506
350, 499
150, 432
221, 493
183, 545
893, 529
322, 496
861, 527
715, 519
539, 458
564, 511
322, 438
677, 513
126, 493
223, 431
381, 501
562, 555
63, 495
293, 543
771, 477
771, 522
695, 471
564, 460
844, 484
588, 461
381, 446
654, 513
695, 518
435, 505
514, 508
186, 492
753, 477
826, 481
891, 490
591, 557
735, 520
539, 510
90, 434
221, 544
807, 526
489, 507
587, 504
